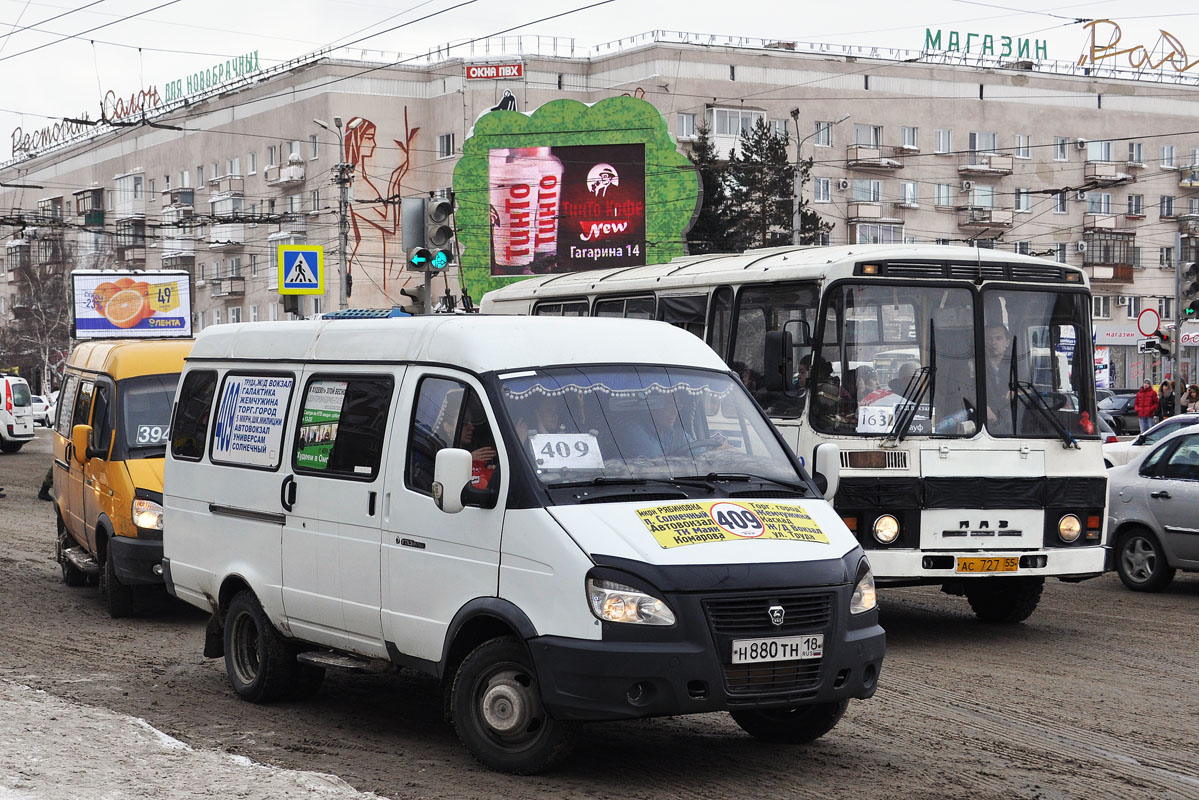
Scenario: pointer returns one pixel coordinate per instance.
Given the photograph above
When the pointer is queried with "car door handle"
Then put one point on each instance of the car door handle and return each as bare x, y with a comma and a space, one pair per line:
287, 493
1163, 494
370, 504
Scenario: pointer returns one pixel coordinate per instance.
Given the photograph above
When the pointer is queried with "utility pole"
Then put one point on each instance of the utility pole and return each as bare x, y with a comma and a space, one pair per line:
343, 178
797, 191
1178, 319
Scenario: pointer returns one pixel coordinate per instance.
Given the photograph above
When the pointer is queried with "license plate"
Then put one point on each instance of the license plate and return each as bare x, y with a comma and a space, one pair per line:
1006, 564
780, 648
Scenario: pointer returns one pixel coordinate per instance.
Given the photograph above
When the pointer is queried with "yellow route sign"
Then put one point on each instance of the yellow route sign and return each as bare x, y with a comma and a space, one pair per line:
727, 521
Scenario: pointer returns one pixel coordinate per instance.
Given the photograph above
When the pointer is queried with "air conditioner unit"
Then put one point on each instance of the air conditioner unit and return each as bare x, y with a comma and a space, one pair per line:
1080, 195
843, 183
1081, 144
967, 185
1080, 247
1121, 300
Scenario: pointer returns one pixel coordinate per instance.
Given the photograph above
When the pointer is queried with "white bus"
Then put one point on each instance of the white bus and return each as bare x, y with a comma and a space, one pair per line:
970, 459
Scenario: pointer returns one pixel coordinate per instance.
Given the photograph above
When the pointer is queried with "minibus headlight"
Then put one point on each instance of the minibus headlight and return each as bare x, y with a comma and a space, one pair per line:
147, 514
886, 529
864, 597
1069, 528
615, 602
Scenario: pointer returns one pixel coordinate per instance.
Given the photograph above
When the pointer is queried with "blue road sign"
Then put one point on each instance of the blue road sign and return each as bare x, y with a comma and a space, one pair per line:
301, 269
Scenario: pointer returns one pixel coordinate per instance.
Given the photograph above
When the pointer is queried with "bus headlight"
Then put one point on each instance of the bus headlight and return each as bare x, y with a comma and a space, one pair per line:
864, 597
615, 602
886, 529
147, 514
1069, 528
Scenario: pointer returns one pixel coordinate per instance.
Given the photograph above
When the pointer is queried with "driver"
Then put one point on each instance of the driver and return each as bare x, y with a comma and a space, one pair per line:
997, 365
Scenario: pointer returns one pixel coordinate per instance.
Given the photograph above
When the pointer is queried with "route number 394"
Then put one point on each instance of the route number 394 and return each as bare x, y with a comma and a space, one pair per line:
151, 434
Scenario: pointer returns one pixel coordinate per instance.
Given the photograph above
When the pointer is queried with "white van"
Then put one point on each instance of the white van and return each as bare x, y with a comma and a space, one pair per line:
16, 414
552, 516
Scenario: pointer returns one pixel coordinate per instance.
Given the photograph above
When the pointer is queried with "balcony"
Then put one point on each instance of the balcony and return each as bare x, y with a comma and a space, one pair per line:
229, 184
1105, 172
93, 219
860, 156
178, 246
227, 235
981, 218
229, 287
864, 211
1099, 222
1115, 273
18, 255
289, 175
1188, 178
987, 164
1188, 224
179, 197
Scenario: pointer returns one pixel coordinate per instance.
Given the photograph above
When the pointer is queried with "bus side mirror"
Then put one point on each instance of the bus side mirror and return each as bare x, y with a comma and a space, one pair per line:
777, 361
451, 474
80, 436
827, 469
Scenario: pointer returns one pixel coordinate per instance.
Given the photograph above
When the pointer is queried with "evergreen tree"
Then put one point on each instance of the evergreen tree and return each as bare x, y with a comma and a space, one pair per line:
761, 188
710, 233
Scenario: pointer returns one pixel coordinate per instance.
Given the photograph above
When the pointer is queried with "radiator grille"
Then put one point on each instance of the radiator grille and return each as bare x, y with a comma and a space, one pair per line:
779, 676
874, 459
750, 616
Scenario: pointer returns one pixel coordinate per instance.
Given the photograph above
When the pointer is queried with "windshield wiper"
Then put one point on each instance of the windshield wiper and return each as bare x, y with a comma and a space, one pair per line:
600, 481
922, 381
1032, 397
744, 477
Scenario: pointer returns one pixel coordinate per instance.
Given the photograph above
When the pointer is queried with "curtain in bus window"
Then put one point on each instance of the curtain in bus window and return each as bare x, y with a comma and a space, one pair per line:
686, 312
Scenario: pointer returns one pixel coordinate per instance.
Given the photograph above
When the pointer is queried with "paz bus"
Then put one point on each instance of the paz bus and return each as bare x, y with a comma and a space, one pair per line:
970, 458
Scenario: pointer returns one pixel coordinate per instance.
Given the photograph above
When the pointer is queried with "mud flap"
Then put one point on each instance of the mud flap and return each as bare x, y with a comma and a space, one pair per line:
214, 637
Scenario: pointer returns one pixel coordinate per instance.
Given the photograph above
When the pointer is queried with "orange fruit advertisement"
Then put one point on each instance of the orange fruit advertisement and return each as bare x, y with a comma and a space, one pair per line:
123, 302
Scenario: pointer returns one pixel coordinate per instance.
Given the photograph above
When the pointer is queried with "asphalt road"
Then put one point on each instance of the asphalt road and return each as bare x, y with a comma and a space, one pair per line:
1094, 696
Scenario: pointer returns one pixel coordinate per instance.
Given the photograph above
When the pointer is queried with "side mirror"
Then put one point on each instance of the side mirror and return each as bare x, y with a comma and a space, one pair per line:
451, 474
80, 436
827, 469
801, 332
777, 361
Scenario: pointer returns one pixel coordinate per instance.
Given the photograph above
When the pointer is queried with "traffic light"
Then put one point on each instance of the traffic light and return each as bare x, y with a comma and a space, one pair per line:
420, 259
1190, 292
439, 231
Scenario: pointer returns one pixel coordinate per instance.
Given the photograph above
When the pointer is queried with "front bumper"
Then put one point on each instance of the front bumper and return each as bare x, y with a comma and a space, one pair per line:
934, 566
137, 561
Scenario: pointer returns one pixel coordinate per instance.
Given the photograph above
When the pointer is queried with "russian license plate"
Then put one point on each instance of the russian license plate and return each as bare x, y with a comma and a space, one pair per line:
974, 564
780, 648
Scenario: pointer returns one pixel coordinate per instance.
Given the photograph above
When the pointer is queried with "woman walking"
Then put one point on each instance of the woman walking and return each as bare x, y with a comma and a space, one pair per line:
1145, 405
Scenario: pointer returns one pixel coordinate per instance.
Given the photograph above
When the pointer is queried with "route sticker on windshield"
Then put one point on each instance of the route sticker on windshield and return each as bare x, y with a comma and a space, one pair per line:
726, 521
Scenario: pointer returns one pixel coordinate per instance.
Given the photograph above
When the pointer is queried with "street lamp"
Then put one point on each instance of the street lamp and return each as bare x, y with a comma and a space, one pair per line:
343, 176
798, 191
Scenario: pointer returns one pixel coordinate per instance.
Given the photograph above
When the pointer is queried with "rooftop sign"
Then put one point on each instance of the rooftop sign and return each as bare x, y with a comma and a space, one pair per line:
987, 44
1172, 51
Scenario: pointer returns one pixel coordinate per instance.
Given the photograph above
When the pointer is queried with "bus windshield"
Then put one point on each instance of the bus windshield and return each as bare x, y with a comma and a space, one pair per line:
885, 347
610, 423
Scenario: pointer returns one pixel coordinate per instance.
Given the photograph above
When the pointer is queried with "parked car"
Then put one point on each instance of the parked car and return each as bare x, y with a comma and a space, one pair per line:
41, 410
1106, 433
1151, 511
16, 420
1120, 453
1122, 413
1103, 394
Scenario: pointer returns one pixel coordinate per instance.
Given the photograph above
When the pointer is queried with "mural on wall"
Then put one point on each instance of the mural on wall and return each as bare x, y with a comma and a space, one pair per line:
375, 212
570, 187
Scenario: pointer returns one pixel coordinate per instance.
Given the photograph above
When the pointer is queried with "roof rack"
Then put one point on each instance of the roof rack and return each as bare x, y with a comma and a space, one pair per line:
366, 313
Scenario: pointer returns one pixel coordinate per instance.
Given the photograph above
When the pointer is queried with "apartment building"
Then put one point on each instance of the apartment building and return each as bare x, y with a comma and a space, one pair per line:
1095, 168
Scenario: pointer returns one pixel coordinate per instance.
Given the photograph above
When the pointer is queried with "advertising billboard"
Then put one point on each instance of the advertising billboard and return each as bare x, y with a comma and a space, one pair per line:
561, 209
109, 304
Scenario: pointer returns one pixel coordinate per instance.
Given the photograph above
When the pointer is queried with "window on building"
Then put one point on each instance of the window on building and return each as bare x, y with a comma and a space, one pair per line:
1193, 206
982, 142
1099, 151
253, 313
1059, 252
1165, 307
866, 190
111, 200
273, 311
1136, 205
185, 179
820, 190
1101, 306
316, 305
294, 149
295, 203
272, 156
314, 147
200, 176
445, 145
1023, 141
871, 233
1194, 162
216, 316
1022, 248
218, 269
909, 137
314, 200
253, 265
686, 123
1136, 258
779, 128
1109, 249
235, 268
252, 161
1168, 156
907, 193
982, 196
822, 239
1136, 153
1023, 200
138, 184
1099, 202
943, 141
235, 314
1133, 309
823, 134
1061, 205
733, 121
1165, 257
1061, 148
1165, 207
867, 135
943, 194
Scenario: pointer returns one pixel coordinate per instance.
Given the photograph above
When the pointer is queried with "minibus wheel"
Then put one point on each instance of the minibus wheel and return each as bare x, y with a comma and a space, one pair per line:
71, 574
798, 725
496, 710
118, 596
257, 659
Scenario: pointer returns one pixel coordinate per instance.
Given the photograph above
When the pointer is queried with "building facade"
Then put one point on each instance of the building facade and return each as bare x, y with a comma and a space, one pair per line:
1095, 168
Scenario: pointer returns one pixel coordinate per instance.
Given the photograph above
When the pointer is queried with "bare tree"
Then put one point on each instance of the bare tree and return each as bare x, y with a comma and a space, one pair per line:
40, 333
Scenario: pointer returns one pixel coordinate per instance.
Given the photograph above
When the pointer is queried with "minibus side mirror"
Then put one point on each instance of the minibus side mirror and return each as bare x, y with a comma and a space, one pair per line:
777, 360
451, 474
827, 469
80, 436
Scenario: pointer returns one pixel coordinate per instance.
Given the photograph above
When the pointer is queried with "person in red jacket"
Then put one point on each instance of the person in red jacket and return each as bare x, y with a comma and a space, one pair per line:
1146, 405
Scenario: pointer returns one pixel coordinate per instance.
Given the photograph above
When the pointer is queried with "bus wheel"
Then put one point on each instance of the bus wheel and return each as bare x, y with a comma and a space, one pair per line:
1004, 599
257, 659
495, 707
798, 725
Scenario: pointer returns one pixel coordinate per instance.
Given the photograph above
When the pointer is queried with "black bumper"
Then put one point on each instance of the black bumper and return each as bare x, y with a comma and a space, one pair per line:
136, 560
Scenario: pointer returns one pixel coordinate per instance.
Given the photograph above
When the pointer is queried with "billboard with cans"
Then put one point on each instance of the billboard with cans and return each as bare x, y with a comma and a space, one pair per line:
114, 304
570, 187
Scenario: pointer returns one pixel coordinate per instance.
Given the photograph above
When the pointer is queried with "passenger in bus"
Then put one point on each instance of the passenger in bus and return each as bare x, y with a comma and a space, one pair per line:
998, 378
869, 390
902, 382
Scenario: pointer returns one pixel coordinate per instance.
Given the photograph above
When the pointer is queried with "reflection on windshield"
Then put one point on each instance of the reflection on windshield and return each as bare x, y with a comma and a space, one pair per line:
776, 308
146, 410
650, 423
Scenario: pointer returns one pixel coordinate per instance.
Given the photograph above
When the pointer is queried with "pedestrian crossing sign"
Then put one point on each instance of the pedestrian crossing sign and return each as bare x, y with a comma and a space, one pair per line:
301, 269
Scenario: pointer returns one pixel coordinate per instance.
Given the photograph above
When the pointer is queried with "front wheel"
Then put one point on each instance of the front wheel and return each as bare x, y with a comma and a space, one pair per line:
495, 708
1141, 562
798, 725
1004, 599
118, 596
259, 662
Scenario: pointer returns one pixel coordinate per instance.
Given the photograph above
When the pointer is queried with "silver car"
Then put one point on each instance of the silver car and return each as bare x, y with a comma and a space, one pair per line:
1153, 512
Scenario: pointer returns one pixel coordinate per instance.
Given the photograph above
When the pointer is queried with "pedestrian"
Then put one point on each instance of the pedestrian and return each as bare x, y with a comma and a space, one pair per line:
1165, 400
1190, 403
1146, 405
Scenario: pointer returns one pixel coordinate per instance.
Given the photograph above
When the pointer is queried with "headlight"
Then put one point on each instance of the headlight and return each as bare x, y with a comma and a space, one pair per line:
1068, 528
615, 602
886, 529
864, 597
147, 514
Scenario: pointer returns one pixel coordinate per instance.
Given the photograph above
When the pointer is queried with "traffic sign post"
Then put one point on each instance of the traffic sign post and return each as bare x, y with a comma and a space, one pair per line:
301, 269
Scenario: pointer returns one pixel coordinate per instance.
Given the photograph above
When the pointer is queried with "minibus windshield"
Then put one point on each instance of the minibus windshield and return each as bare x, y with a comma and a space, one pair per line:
146, 411
613, 423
